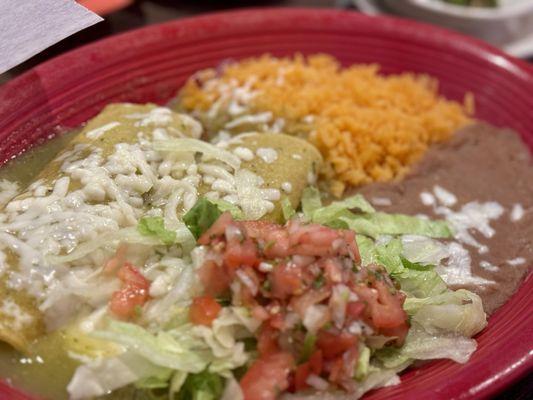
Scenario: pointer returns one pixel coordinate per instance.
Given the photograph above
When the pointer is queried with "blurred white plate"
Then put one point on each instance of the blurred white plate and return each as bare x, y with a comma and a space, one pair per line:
509, 26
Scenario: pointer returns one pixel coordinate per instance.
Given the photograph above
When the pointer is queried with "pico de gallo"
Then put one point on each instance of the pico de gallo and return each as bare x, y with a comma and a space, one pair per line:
316, 303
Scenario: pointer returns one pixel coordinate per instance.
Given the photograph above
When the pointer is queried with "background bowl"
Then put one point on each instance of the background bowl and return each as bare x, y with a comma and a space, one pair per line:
508, 26
150, 64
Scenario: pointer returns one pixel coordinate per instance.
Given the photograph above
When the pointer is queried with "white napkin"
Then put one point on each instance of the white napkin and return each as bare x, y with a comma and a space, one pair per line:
27, 27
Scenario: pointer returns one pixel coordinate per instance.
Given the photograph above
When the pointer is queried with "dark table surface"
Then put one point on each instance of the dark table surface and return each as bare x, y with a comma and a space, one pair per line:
147, 12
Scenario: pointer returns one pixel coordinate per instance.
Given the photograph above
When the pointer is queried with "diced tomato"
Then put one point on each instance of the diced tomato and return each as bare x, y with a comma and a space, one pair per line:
215, 279
133, 294
300, 376
204, 310
273, 238
313, 366
333, 345
260, 313
267, 377
131, 276
277, 321
354, 309
385, 308
312, 239
267, 342
341, 368
117, 261
315, 362
238, 254
286, 281
335, 369
125, 301
217, 229
258, 229
400, 332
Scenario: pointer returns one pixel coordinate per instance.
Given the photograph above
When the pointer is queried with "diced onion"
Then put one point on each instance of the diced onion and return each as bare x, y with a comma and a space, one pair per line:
317, 382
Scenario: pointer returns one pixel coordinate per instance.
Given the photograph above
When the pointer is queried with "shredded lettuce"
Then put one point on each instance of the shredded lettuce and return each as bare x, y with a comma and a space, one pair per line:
224, 206
158, 380
310, 201
340, 209
363, 363
201, 216
155, 226
165, 348
232, 391
415, 266
125, 235
375, 224
367, 249
287, 209
459, 312
422, 249
102, 375
179, 360
177, 381
358, 214
414, 282
201, 386
421, 345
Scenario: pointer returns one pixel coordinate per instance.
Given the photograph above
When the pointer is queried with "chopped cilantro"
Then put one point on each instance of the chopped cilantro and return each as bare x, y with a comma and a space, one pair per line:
202, 386
319, 282
308, 347
269, 244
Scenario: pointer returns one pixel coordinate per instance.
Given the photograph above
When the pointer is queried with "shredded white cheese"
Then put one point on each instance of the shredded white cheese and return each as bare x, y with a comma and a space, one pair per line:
516, 261
472, 216
445, 197
381, 201
260, 118
244, 153
18, 318
517, 212
8, 190
488, 266
286, 187
98, 132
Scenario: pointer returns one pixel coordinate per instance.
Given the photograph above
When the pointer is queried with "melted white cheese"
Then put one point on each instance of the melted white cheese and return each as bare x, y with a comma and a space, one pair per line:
267, 154
458, 269
286, 187
472, 216
260, 118
18, 318
8, 190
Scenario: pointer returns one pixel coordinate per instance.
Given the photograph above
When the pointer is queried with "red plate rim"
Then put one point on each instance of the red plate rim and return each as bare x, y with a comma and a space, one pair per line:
486, 373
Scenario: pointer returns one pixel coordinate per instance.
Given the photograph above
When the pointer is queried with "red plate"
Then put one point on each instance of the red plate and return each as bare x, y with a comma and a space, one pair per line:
150, 64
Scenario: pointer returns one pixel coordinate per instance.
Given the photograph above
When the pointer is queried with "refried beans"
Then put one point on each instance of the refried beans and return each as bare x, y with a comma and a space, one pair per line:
482, 169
